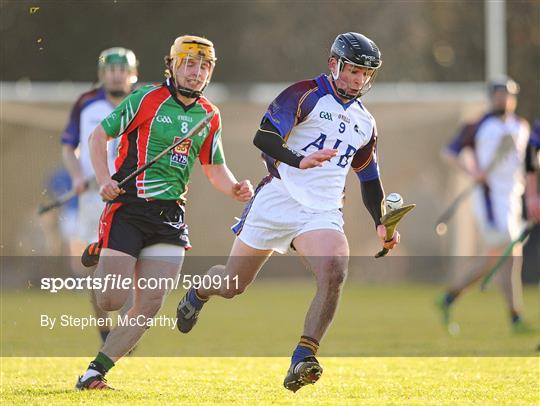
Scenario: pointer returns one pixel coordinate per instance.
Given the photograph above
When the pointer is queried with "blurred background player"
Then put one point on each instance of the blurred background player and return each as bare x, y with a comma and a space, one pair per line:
60, 226
532, 167
497, 200
117, 73
312, 134
142, 231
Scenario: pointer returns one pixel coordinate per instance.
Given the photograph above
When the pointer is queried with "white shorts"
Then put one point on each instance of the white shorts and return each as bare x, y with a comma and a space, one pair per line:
273, 219
69, 223
90, 208
498, 218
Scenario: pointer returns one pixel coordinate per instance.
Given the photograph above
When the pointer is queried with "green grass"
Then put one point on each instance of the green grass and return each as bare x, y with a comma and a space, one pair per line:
386, 346
372, 320
258, 380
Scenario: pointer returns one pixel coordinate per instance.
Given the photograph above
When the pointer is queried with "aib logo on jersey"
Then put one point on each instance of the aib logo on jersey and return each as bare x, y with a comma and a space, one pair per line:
343, 160
180, 154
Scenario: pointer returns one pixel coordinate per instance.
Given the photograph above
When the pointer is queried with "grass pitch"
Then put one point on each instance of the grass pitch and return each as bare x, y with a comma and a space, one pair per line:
386, 346
258, 381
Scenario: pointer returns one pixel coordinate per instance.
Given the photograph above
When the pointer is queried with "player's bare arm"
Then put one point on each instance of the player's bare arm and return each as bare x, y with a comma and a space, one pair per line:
73, 167
223, 180
532, 198
466, 162
108, 188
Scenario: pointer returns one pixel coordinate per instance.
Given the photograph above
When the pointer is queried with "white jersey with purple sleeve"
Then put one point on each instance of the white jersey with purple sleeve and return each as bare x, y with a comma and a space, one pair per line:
484, 137
309, 116
497, 204
87, 113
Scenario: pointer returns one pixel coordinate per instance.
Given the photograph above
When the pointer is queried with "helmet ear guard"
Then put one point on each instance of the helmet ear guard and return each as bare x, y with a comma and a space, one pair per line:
340, 65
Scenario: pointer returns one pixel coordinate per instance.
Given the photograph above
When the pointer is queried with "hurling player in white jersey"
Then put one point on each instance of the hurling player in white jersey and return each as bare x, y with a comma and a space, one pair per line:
497, 200
310, 136
117, 72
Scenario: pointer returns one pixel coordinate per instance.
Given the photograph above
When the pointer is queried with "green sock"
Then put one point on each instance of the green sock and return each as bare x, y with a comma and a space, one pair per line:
102, 364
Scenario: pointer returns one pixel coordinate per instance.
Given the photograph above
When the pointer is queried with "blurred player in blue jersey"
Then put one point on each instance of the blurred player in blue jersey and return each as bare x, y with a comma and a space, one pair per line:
64, 221
117, 73
532, 167
310, 136
497, 200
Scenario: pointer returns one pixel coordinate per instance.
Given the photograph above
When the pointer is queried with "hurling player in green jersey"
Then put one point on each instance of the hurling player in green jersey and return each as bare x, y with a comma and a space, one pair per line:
142, 234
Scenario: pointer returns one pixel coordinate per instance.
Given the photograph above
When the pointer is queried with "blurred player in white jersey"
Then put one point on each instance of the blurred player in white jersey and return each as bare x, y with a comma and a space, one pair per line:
497, 200
117, 73
310, 136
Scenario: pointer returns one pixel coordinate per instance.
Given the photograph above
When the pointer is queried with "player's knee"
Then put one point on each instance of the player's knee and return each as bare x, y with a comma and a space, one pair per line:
332, 272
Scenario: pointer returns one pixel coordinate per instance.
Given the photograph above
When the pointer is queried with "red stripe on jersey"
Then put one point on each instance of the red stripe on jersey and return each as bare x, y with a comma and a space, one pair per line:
205, 154
105, 223
143, 136
149, 108
153, 98
123, 149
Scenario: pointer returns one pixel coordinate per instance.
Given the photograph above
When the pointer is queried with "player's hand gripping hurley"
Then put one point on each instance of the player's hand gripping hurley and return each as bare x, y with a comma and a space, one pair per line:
505, 146
63, 199
390, 221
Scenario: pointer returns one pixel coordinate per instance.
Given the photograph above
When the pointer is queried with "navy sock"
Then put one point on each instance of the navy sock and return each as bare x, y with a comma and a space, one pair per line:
195, 300
516, 318
305, 348
449, 298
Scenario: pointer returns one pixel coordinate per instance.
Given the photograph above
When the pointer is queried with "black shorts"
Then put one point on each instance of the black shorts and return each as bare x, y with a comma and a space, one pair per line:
129, 227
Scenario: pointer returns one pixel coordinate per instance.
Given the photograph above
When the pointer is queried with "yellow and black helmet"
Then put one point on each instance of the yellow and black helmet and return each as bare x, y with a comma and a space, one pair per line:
193, 47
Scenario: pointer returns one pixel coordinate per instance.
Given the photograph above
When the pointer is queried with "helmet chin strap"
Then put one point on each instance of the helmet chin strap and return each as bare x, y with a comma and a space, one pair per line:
187, 92
343, 93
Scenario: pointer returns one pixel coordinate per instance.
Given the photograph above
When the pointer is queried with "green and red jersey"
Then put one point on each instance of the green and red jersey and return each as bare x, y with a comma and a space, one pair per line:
149, 120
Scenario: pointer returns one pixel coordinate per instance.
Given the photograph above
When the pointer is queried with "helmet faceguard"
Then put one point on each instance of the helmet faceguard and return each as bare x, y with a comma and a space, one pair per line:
118, 57
503, 83
190, 49
359, 51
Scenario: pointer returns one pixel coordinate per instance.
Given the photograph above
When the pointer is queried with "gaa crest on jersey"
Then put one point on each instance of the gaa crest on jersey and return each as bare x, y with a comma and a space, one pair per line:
180, 154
